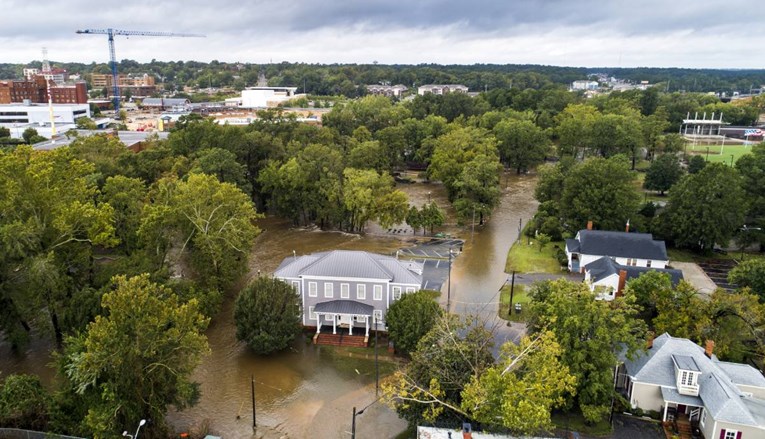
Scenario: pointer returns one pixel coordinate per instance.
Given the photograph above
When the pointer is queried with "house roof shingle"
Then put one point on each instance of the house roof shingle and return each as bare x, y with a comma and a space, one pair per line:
601, 268
620, 244
352, 264
719, 393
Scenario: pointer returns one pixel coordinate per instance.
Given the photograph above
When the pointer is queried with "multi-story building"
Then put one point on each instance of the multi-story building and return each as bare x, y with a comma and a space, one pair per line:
347, 289
19, 117
36, 91
441, 89
138, 85
387, 90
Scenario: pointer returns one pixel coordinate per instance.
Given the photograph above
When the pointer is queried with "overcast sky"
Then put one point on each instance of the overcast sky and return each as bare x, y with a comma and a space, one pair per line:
617, 33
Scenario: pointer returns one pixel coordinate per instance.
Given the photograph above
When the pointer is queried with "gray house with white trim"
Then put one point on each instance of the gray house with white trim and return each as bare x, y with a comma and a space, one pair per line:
680, 379
632, 249
349, 289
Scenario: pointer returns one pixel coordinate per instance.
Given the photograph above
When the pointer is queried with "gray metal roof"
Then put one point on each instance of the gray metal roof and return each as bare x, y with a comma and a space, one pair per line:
572, 245
686, 362
166, 102
352, 264
621, 244
672, 395
344, 307
129, 138
603, 267
720, 395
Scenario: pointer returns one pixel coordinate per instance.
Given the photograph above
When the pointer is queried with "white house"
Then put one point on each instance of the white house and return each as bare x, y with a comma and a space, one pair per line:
349, 289
682, 381
607, 277
631, 249
441, 89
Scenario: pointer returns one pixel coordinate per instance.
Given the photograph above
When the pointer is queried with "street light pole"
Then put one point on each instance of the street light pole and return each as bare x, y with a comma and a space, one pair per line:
449, 285
353, 423
135, 436
377, 365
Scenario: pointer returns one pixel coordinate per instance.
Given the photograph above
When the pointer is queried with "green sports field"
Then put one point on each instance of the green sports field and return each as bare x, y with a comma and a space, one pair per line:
719, 153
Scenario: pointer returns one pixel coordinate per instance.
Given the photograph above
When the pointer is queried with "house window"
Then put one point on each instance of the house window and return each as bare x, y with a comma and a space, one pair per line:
360, 319
396, 293
361, 292
378, 316
311, 314
329, 317
296, 286
409, 289
648, 263
634, 262
378, 292
345, 291
328, 292
686, 378
312, 289
731, 434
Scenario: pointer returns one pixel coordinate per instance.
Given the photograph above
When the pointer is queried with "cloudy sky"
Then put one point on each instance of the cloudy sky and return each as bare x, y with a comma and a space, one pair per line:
618, 33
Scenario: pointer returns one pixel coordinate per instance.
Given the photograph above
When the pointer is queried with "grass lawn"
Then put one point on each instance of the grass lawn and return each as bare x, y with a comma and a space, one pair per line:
574, 421
525, 258
720, 153
519, 296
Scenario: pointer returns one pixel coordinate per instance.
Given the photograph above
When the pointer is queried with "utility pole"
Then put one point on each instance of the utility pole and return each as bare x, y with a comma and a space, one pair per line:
353, 424
472, 228
449, 286
377, 365
512, 291
252, 382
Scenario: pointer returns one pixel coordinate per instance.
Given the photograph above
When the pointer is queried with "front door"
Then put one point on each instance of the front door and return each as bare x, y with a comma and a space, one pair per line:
680, 409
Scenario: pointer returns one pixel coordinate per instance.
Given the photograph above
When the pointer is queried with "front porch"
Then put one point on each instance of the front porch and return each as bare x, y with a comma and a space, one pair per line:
681, 414
343, 316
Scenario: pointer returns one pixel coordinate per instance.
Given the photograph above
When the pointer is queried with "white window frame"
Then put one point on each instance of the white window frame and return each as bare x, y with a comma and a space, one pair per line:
361, 292
703, 417
359, 319
731, 434
377, 316
345, 291
329, 290
410, 289
312, 315
396, 291
329, 317
313, 289
296, 286
378, 292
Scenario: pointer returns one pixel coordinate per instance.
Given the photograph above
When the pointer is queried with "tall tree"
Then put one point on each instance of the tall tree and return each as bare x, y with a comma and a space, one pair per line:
267, 315
590, 333
138, 357
599, 190
410, 318
663, 173
522, 144
706, 208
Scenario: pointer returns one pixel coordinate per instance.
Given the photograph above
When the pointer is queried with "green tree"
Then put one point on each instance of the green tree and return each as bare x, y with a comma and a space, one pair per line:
414, 219
454, 150
103, 151
648, 290
695, 164
590, 333
223, 165
85, 123
599, 190
214, 220
750, 274
522, 389
752, 168
706, 208
575, 128
410, 318
432, 216
542, 241
478, 191
127, 196
664, 172
267, 315
31, 136
430, 386
522, 145
24, 403
137, 358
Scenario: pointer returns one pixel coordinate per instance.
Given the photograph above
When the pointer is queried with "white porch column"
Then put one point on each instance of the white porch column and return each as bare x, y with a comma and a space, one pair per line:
334, 324
366, 320
664, 418
318, 323
350, 327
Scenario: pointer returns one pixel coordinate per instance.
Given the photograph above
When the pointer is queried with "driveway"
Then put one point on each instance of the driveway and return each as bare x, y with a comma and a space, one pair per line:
694, 275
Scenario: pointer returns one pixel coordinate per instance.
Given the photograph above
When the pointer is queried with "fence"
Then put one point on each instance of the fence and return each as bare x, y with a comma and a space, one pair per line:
17, 433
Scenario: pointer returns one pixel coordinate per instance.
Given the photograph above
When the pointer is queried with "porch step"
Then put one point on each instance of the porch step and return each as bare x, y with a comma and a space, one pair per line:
341, 340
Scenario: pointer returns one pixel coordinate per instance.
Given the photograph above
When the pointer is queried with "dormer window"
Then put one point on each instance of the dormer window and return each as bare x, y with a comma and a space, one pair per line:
686, 375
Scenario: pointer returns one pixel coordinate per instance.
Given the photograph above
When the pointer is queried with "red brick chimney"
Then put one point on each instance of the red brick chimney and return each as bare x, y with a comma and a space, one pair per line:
649, 340
709, 348
622, 281
589, 225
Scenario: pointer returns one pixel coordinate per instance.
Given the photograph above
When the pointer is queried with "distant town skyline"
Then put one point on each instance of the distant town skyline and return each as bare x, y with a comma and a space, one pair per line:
653, 33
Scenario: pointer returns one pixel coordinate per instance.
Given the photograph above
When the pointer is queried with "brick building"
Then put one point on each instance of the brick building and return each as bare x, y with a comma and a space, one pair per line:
36, 91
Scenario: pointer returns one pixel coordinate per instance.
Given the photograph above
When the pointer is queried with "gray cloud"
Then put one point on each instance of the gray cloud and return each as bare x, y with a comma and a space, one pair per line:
685, 33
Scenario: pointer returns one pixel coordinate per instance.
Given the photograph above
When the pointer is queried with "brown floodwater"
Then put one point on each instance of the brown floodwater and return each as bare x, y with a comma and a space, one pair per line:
309, 391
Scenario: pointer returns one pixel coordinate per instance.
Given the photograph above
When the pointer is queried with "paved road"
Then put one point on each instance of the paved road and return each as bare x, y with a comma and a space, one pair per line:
530, 278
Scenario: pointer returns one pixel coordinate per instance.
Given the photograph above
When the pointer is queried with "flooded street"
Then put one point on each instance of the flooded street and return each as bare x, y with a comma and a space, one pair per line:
309, 391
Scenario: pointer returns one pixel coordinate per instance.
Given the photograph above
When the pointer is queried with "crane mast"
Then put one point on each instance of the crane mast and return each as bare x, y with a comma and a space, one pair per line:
110, 33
